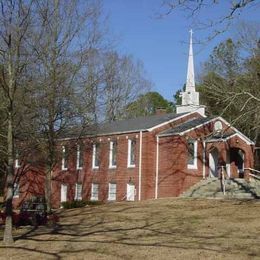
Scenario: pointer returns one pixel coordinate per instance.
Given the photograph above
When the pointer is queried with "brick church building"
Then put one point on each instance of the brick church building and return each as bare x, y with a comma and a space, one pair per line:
147, 157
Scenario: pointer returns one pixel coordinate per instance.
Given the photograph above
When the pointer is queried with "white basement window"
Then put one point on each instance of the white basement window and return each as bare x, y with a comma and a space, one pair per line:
94, 191
112, 154
79, 157
112, 191
131, 153
95, 156
78, 191
192, 154
64, 161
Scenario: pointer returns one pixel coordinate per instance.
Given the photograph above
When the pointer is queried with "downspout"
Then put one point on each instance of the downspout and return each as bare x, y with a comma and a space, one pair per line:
140, 165
157, 167
204, 160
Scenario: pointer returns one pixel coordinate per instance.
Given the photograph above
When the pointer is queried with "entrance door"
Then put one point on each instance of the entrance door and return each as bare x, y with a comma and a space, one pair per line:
63, 193
213, 163
130, 192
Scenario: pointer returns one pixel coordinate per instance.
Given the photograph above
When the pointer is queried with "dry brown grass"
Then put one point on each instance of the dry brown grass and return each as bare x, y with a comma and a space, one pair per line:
161, 229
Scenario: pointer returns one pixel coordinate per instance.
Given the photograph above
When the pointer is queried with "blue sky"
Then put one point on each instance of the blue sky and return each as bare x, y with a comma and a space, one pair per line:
162, 44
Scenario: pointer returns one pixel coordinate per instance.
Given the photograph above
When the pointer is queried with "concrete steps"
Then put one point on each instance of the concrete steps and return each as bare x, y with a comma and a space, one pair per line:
235, 189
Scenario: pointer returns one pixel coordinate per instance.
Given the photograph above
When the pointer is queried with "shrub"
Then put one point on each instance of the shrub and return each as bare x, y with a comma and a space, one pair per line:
94, 202
79, 204
73, 204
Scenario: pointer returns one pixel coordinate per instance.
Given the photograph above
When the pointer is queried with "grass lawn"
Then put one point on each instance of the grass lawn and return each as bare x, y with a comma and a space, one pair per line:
161, 229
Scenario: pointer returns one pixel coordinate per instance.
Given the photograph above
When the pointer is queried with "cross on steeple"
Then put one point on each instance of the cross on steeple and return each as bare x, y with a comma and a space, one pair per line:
190, 97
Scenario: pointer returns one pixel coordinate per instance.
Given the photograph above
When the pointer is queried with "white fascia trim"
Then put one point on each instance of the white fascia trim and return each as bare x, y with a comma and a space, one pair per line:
107, 134
171, 120
227, 138
245, 138
140, 166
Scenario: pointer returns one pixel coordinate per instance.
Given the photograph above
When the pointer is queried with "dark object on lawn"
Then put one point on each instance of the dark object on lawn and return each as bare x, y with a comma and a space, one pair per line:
33, 212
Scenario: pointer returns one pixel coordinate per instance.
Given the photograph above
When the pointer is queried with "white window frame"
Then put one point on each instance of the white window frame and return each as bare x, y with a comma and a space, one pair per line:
195, 155
94, 154
130, 143
61, 189
111, 147
79, 151
63, 168
17, 161
93, 195
111, 196
16, 191
78, 195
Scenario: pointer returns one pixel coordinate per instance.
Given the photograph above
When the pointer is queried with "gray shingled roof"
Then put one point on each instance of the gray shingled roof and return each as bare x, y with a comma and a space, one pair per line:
185, 126
135, 124
124, 126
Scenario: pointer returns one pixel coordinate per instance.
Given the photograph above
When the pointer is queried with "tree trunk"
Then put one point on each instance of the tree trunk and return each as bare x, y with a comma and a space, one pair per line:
8, 234
48, 190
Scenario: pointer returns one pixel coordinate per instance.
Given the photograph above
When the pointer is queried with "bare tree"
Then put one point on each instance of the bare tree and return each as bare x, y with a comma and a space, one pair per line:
193, 10
124, 82
66, 32
14, 23
230, 84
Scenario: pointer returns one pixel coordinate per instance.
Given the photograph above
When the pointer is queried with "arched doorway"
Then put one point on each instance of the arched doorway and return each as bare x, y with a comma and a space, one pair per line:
213, 163
237, 157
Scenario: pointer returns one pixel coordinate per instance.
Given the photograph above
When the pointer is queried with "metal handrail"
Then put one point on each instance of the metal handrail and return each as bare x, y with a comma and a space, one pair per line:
255, 176
253, 170
223, 179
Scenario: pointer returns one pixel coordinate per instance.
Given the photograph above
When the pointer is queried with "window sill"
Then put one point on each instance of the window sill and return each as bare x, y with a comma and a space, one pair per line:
111, 167
95, 168
192, 167
64, 169
79, 168
131, 166
93, 199
16, 197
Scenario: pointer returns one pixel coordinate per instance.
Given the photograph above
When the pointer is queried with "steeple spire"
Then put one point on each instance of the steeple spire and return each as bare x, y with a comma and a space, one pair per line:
190, 97
190, 82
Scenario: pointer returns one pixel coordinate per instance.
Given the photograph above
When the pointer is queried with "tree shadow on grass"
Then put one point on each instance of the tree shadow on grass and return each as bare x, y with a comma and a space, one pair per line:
101, 232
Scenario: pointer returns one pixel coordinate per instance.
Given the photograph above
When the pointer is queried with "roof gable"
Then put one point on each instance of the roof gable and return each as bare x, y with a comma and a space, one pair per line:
199, 122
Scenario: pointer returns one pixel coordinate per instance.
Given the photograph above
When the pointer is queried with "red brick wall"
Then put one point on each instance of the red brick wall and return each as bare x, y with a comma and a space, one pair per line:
174, 176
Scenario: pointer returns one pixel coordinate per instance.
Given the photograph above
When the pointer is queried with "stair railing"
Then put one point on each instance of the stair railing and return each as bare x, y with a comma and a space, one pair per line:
222, 178
255, 174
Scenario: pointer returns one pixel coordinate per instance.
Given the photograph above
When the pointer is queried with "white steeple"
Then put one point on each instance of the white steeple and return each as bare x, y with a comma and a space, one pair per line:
190, 82
190, 97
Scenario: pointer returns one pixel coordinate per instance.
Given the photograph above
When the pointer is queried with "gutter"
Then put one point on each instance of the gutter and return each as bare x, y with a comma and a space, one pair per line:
140, 165
157, 167
204, 160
